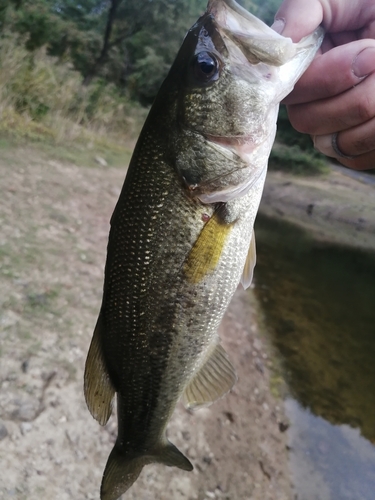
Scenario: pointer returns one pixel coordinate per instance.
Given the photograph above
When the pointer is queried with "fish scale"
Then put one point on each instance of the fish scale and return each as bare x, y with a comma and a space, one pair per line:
181, 236
135, 239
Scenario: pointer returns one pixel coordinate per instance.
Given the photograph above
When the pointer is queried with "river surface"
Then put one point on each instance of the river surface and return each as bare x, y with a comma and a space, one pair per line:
319, 307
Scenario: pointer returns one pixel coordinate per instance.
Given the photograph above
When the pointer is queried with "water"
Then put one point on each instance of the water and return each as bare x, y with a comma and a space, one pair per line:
319, 304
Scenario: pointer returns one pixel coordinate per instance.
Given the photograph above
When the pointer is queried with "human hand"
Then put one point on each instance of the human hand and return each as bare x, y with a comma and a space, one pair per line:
334, 101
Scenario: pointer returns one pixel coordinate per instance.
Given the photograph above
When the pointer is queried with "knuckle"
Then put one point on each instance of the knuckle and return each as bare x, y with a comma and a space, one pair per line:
365, 107
364, 144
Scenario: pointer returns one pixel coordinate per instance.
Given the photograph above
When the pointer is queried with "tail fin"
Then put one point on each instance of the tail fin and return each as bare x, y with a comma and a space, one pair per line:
121, 471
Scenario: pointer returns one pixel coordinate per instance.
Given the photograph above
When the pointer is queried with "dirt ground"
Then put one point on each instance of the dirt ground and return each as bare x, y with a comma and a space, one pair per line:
54, 227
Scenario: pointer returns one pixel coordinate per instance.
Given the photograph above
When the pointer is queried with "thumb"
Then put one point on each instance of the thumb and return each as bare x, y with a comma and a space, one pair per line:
298, 18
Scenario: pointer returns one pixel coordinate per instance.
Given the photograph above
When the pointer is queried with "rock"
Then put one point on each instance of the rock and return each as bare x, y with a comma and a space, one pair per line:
25, 427
186, 435
3, 431
283, 426
259, 365
26, 410
101, 161
25, 365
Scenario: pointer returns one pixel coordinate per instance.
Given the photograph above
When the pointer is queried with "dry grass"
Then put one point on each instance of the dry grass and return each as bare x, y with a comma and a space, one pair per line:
43, 98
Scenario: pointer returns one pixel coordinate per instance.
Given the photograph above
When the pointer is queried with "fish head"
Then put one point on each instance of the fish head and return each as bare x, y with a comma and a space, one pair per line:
230, 75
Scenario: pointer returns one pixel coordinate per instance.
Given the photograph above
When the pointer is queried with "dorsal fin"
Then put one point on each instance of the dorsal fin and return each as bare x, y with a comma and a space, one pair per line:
213, 380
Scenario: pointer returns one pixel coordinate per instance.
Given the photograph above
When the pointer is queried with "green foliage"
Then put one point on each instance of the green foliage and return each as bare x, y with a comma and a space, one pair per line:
287, 135
40, 95
143, 39
266, 10
85, 13
155, 41
148, 74
62, 42
294, 152
296, 160
35, 20
32, 82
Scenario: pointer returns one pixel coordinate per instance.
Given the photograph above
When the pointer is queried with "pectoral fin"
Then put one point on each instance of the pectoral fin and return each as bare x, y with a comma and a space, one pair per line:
213, 380
98, 388
205, 254
247, 275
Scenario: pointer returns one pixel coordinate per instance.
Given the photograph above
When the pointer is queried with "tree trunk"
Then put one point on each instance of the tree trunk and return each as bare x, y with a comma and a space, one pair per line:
106, 45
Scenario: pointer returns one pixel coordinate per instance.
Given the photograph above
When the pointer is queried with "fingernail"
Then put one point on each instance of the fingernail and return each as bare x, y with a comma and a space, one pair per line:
278, 26
323, 143
364, 62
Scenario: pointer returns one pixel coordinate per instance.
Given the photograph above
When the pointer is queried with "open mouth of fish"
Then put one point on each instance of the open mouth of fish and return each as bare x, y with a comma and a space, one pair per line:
258, 42
232, 192
235, 143
241, 146
271, 61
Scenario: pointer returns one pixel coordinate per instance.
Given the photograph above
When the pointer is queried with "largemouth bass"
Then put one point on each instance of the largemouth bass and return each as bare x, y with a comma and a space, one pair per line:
181, 235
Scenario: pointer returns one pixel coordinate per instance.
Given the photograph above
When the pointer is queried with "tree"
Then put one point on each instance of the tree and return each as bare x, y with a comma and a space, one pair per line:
130, 43
141, 40
107, 44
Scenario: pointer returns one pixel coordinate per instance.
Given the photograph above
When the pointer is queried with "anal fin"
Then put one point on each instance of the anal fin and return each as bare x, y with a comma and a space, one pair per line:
98, 388
214, 379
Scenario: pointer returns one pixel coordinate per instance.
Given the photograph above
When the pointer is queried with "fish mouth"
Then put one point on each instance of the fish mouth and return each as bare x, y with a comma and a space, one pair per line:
236, 143
262, 65
234, 191
258, 42
244, 147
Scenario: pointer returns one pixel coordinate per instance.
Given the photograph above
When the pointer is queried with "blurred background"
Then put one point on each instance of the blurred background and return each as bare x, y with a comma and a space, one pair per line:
70, 68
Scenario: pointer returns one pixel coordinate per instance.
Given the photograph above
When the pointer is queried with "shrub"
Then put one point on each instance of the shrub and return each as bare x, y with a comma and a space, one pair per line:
46, 91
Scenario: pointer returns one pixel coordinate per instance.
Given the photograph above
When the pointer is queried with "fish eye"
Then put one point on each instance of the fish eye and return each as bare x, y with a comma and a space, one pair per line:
205, 67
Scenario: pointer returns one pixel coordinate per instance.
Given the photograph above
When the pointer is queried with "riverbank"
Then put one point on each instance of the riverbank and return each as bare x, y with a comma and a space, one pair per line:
335, 207
315, 284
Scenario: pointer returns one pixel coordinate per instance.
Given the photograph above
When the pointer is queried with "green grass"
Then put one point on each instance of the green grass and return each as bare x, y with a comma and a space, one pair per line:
295, 160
